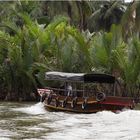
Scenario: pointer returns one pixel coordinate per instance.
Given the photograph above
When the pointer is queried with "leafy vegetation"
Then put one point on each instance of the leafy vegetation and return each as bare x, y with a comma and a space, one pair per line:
35, 39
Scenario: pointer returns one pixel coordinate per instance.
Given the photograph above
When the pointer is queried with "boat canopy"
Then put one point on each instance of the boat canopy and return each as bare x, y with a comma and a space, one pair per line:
80, 77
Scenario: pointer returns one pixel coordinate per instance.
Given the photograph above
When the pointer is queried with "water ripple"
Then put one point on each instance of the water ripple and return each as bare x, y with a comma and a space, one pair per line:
34, 122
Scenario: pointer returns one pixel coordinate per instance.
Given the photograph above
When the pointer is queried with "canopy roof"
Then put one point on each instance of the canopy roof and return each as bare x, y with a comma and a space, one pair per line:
80, 77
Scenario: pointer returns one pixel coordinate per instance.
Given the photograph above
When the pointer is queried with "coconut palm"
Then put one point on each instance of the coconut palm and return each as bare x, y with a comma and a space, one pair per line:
77, 11
24, 55
130, 21
33, 50
109, 13
128, 61
9, 10
68, 47
102, 46
27, 51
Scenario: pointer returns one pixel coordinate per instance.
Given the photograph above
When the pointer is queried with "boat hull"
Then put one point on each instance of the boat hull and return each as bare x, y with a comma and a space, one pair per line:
87, 105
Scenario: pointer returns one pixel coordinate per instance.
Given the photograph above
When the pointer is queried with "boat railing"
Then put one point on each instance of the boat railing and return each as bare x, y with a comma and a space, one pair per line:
59, 89
74, 92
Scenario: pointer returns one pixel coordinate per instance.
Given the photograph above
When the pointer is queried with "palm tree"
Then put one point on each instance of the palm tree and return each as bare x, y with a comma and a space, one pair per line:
68, 47
77, 11
9, 10
130, 21
128, 61
24, 57
109, 13
102, 49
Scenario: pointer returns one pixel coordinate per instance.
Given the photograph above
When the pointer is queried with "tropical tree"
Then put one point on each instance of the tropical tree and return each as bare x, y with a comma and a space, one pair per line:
34, 49
29, 48
128, 62
110, 54
68, 47
102, 49
23, 58
130, 21
9, 11
77, 11
109, 13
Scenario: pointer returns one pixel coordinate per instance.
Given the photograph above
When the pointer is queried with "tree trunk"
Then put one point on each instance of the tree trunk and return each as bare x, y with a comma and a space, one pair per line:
79, 5
69, 11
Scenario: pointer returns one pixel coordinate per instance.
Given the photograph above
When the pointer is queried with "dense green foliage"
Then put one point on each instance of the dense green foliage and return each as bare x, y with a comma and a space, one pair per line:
29, 48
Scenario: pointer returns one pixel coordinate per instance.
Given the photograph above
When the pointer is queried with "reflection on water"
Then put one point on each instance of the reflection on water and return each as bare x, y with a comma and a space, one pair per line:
29, 121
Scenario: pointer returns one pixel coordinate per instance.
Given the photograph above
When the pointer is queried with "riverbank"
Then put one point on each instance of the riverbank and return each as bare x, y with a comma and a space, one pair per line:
14, 97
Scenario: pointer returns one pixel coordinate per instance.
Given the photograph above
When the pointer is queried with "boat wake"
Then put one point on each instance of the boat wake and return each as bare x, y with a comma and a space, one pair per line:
100, 126
35, 109
103, 125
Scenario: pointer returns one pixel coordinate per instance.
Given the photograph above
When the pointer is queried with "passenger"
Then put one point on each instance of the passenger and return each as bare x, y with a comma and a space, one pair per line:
69, 89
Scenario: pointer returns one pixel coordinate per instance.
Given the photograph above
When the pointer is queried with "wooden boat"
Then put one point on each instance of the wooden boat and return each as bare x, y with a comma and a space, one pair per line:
83, 93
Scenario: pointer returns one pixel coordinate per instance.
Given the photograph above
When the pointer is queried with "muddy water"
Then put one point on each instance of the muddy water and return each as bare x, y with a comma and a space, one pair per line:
29, 121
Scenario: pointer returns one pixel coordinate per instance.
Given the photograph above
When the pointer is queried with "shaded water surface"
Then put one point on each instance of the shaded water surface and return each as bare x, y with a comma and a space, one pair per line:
29, 121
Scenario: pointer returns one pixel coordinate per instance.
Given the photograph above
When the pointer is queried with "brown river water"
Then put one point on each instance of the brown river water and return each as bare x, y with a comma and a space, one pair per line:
30, 121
